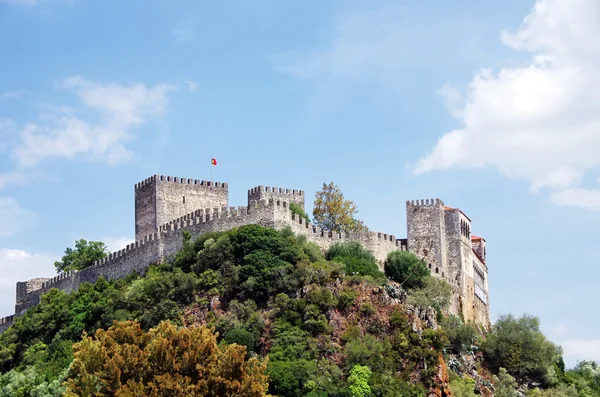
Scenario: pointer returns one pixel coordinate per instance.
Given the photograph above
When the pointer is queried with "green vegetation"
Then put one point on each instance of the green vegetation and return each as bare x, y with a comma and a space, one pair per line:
296, 209
254, 311
331, 211
84, 255
166, 361
406, 268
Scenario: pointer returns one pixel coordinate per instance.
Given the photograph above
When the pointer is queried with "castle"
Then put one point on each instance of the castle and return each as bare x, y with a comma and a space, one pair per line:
165, 205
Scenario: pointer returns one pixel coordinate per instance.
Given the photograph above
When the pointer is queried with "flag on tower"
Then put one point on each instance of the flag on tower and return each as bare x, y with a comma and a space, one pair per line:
213, 161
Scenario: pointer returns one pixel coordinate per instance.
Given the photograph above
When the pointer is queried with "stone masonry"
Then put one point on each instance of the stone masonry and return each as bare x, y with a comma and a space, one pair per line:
164, 206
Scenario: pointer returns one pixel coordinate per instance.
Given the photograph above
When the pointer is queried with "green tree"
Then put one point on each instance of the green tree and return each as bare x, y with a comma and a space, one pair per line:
505, 384
124, 360
463, 387
84, 255
406, 268
435, 293
460, 336
519, 346
333, 212
359, 381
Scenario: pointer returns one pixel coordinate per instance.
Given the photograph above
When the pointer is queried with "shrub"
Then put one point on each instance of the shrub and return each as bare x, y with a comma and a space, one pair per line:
241, 337
406, 268
296, 209
347, 298
350, 249
519, 346
460, 336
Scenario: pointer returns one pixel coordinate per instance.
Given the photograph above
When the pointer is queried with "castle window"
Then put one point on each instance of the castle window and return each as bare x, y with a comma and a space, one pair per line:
183, 199
430, 266
437, 270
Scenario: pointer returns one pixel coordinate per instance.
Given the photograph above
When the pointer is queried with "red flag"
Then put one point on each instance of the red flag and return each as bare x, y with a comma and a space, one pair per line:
213, 161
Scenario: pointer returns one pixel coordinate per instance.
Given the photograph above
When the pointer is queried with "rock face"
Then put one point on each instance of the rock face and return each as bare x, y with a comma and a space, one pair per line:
442, 381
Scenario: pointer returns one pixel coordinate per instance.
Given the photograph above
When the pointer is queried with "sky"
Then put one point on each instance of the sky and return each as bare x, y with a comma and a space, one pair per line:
493, 107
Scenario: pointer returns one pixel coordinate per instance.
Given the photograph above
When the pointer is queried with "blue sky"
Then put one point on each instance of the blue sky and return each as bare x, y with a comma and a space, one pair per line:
491, 107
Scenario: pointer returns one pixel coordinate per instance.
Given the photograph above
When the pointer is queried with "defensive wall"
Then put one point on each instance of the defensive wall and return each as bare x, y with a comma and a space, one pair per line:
168, 239
165, 206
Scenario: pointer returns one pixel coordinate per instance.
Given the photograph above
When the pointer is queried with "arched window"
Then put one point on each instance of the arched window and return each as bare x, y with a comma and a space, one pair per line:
437, 270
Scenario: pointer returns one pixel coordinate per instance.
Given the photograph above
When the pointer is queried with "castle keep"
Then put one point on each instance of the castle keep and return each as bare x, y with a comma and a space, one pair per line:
165, 205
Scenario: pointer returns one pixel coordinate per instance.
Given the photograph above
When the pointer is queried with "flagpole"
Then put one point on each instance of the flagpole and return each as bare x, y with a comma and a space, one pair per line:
211, 175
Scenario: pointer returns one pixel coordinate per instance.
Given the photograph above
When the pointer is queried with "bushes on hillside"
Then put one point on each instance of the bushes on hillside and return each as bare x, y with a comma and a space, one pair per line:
356, 259
406, 268
519, 346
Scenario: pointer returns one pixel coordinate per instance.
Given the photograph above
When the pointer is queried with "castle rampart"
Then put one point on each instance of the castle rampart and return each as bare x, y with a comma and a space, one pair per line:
160, 199
276, 193
436, 233
6, 322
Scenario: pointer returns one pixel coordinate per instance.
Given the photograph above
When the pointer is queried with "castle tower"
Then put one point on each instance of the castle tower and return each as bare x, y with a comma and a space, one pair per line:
426, 233
266, 193
160, 199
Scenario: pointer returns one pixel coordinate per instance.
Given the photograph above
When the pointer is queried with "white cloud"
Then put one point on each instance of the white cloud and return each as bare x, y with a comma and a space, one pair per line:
18, 265
117, 243
581, 349
539, 122
183, 34
13, 218
580, 197
118, 109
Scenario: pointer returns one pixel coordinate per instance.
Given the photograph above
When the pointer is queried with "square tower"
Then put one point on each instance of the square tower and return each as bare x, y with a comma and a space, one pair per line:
276, 193
160, 199
426, 233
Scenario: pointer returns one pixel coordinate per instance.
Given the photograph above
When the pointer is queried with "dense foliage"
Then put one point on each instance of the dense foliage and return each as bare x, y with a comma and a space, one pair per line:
84, 255
333, 212
165, 361
316, 324
406, 268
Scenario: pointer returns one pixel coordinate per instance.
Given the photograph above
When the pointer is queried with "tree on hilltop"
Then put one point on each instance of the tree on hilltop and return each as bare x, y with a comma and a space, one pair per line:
84, 255
333, 212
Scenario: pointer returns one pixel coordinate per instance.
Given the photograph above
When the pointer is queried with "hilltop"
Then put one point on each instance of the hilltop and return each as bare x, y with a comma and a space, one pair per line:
311, 324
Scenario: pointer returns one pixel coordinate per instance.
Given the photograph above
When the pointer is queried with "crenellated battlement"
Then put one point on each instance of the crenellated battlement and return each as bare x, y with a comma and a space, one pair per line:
166, 205
425, 202
6, 322
60, 277
186, 181
278, 190
276, 193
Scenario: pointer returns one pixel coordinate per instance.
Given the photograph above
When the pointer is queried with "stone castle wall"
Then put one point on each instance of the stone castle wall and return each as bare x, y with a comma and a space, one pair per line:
276, 193
168, 240
165, 206
160, 199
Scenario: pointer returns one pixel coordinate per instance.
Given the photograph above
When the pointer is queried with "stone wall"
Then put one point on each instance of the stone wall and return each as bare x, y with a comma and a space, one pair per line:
6, 322
426, 235
165, 206
160, 199
276, 193
380, 244
169, 239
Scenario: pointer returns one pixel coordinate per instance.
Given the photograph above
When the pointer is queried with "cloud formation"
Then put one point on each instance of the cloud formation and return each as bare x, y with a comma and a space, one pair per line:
539, 122
116, 243
18, 265
100, 127
13, 217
